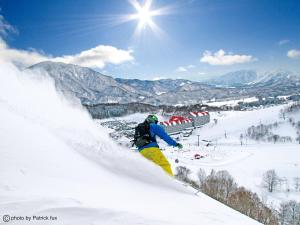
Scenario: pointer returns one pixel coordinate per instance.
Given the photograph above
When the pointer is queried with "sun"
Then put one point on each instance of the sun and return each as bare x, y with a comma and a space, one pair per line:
144, 16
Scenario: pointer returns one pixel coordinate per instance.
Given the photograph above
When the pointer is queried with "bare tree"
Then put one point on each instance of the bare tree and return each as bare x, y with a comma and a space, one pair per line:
249, 204
297, 183
298, 139
270, 180
283, 183
283, 213
201, 176
241, 139
226, 184
221, 186
218, 185
210, 187
289, 213
183, 173
275, 138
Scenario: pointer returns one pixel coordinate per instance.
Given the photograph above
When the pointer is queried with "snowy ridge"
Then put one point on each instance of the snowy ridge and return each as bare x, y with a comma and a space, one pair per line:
86, 84
236, 78
94, 88
55, 161
275, 75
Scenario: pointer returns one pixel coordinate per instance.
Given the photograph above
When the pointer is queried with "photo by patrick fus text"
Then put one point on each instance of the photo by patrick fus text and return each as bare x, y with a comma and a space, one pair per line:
11, 218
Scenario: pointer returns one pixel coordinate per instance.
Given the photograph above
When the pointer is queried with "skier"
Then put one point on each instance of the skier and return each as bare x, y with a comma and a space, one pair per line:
145, 140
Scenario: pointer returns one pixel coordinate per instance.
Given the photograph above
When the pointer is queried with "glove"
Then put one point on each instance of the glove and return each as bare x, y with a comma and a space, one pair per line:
178, 145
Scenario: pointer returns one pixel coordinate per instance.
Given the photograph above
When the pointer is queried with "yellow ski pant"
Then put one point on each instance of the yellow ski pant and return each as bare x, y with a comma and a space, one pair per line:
155, 155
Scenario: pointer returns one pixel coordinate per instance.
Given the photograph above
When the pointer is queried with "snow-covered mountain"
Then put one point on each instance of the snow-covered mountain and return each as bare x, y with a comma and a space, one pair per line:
273, 83
278, 77
90, 86
93, 88
155, 87
169, 92
192, 93
58, 167
235, 79
276, 83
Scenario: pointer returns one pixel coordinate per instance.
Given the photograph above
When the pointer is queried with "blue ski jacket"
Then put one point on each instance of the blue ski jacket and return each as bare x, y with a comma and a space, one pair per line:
158, 130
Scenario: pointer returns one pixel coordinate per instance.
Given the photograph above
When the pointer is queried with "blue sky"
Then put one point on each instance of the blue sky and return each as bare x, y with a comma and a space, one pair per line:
200, 38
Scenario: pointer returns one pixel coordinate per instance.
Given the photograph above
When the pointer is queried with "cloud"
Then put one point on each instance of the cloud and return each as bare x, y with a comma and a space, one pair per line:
220, 58
159, 78
181, 69
19, 57
5, 27
283, 42
293, 53
96, 57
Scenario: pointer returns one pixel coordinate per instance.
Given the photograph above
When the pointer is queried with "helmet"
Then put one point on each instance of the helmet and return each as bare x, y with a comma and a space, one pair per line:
152, 119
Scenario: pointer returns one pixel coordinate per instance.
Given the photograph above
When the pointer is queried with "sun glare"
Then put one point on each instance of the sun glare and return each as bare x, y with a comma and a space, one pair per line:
144, 14
144, 17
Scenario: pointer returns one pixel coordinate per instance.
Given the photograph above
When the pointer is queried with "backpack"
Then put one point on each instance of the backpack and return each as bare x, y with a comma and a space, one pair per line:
142, 135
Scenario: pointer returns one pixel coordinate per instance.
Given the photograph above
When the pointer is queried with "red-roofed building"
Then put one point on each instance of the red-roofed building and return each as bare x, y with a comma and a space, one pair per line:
177, 124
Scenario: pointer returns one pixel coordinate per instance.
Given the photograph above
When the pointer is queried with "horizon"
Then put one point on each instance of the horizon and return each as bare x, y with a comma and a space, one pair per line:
149, 40
258, 73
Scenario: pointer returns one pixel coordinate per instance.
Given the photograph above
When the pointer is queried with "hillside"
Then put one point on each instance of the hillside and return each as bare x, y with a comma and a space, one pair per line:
93, 88
57, 164
247, 162
86, 84
234, 79
246, 159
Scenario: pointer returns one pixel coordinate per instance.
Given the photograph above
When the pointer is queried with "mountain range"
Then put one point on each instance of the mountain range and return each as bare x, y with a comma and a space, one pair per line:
235, 78
92, 87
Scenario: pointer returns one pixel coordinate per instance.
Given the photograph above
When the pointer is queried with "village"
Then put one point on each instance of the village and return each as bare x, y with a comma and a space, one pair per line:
175, 125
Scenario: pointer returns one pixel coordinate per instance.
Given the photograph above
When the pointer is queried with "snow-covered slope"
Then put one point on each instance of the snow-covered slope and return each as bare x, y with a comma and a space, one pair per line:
249, 161
56, 163
246, 161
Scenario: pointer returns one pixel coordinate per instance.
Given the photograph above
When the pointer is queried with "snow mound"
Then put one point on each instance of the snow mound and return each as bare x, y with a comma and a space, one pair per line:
57, 165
